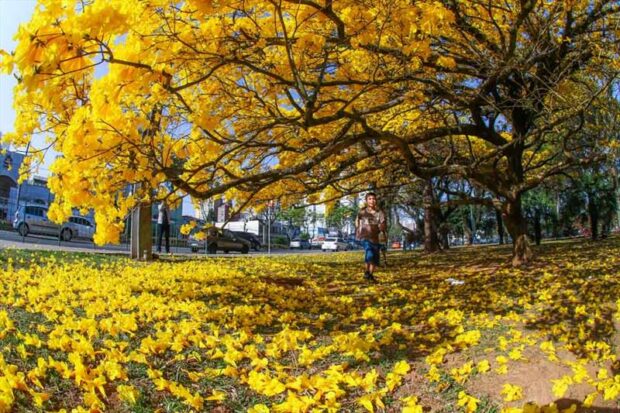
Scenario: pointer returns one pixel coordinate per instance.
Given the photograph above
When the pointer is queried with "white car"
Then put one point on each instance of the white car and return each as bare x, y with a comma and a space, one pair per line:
32, 219
334, 244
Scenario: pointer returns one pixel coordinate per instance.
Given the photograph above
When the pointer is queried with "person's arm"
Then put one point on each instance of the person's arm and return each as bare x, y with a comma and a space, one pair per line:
357, 227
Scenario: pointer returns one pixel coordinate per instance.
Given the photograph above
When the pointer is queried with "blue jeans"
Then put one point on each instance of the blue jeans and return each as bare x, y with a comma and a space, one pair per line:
373, 252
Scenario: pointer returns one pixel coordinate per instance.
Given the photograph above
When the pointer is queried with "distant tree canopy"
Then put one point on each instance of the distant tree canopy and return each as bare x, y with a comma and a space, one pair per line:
263, 99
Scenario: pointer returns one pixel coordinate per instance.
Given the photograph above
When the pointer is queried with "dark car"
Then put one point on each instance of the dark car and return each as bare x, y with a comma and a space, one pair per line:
353, 244
302, 244
251, 238
218, 239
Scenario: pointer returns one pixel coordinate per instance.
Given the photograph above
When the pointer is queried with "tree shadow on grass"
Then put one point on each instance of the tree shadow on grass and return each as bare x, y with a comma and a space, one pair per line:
567, 403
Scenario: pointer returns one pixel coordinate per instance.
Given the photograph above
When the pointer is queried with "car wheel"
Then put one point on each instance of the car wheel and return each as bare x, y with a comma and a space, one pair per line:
245, 249
225, 251
212, 249
66, 235
23, 229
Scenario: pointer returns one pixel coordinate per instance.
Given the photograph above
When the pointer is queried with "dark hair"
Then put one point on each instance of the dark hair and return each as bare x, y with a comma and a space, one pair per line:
369, 194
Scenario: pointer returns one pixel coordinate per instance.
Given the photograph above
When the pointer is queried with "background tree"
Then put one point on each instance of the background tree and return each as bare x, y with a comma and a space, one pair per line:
296, 217
340, 217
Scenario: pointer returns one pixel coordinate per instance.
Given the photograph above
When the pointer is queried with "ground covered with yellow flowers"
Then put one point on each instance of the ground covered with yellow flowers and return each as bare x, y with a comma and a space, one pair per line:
457, 331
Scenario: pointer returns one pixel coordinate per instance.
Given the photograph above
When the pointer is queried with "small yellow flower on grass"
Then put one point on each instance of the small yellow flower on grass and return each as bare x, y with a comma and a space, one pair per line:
433, 374
469, 403
513, 410
561, 385
512, 392
483, 366
217, 395
128, 394
515, 354
410, 405
258, 408
401, 368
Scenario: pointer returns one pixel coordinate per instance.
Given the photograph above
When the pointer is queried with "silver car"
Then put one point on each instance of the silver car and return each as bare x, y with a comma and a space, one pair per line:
32, 219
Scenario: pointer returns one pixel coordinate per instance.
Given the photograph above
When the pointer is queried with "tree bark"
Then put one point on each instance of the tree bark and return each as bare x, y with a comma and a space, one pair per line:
500, 226
537, 227
469, 235
443, 236
141, 234
594, 215
431, 241
517, 228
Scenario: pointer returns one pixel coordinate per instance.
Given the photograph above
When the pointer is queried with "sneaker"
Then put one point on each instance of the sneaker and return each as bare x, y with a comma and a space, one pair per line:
368, 276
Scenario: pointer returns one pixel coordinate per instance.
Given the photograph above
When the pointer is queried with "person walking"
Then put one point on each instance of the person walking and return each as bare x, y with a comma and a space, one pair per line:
163, 226
369, 223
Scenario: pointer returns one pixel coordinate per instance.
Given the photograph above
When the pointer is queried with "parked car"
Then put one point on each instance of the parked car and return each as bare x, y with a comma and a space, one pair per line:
334, 244
32, 219
252, 238
195, 243
302, 244
78, 227
218, 239
353, 244
316, 242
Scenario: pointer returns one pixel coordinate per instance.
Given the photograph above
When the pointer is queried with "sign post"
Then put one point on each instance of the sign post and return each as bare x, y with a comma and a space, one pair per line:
269, 218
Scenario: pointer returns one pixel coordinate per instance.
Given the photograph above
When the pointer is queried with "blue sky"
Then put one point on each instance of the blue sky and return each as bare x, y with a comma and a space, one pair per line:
12, 14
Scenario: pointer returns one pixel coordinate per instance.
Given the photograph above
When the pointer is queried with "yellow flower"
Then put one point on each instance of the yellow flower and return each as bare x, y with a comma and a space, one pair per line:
410, 405
469, 403
401, 368
483, 366
511, 392
128, 393
561, 385
217, 395
258, 408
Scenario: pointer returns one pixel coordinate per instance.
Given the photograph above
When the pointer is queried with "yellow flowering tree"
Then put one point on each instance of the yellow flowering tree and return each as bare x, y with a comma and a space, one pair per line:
258, 99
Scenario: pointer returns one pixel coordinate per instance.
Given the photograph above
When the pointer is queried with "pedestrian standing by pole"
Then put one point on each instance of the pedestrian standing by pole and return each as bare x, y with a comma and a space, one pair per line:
370, 222
163, 226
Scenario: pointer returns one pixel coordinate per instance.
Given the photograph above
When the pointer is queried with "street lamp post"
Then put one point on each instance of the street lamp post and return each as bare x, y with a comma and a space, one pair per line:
269, 217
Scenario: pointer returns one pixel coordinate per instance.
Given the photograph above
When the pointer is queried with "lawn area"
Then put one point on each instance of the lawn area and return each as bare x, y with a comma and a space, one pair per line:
456, 331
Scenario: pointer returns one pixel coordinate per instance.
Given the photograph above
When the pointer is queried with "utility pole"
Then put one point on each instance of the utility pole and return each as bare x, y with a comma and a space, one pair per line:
269, 213
19, 185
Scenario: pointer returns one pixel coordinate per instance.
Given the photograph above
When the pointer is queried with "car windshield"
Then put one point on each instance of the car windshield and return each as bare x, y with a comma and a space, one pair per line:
330, 239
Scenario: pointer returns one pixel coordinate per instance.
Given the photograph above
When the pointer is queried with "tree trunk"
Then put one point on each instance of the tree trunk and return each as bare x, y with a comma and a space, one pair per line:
517, 228
500, 226
594, 215
616, 189
537, 227
443, 236
141, 244
469, 235
431, 241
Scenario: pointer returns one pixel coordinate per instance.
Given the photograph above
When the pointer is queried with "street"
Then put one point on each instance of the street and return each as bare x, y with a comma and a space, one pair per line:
11, 239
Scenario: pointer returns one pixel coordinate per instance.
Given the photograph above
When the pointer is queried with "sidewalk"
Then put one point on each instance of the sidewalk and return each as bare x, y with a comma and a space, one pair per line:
12, 244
